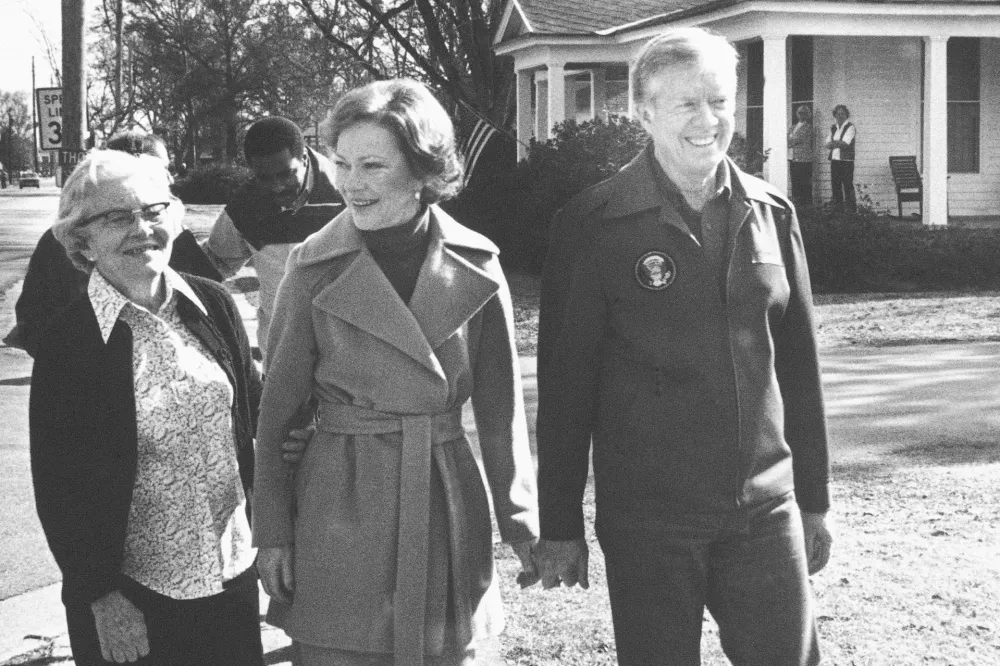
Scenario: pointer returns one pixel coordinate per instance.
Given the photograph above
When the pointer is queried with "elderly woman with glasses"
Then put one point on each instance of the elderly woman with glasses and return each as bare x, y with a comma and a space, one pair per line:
143, 406
391, 318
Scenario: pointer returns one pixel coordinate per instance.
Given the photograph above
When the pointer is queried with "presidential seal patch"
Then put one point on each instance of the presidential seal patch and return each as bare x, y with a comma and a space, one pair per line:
655, 271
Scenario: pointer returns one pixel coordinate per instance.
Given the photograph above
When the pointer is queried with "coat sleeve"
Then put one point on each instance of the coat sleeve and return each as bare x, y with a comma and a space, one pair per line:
498, 403
797, 367
571, 326
292, 354
250, 378
51, 283
226, 248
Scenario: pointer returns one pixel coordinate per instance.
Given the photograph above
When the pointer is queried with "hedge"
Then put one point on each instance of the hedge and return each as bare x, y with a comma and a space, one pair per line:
847, 252
210, 184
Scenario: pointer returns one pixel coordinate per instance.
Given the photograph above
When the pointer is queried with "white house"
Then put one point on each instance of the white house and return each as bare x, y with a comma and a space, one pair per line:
920, 78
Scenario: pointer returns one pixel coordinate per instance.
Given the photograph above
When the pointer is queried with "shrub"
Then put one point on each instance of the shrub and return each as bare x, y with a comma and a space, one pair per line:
211, 184
865, 253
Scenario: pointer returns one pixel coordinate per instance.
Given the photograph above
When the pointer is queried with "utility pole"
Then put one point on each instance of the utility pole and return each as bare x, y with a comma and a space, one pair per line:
74, 79
34, 118
10, 140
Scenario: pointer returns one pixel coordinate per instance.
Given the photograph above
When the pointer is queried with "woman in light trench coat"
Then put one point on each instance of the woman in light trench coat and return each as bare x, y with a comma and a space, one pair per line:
391, 318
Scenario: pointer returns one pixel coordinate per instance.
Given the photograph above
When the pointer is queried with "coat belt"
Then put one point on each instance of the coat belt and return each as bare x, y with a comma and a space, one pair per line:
421, 432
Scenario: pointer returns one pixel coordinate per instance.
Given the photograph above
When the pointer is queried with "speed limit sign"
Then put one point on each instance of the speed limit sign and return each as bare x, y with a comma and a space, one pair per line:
49, 118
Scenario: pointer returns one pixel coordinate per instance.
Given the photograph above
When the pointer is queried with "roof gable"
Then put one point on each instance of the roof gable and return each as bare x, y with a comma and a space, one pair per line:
579, 17
589, 16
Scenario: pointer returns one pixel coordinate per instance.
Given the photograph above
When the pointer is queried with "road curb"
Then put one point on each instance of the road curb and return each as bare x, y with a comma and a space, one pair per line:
34, 626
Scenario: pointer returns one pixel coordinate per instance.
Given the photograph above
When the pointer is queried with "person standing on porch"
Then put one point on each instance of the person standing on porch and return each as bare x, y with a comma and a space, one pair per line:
676, 340
841, 146
801, 146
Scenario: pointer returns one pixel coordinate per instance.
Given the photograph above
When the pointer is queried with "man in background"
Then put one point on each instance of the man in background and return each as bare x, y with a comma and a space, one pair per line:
290, 196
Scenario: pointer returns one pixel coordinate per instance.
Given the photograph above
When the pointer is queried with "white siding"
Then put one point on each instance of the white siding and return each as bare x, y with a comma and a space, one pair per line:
741, 90
979, 193
879, 81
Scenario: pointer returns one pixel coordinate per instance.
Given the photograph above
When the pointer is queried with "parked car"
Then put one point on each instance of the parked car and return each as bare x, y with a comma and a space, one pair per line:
29, 179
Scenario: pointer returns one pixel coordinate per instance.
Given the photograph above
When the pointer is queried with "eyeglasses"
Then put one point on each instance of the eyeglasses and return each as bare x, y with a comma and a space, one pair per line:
120, 218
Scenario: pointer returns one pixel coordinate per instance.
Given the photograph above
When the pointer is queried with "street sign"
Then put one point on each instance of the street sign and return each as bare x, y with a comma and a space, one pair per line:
49, 118
71, 157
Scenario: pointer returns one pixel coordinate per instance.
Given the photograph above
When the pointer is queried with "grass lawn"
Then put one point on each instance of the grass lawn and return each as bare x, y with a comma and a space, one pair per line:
915, 573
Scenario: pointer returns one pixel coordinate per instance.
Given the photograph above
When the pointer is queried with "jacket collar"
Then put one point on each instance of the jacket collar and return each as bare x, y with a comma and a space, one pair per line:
449, 291
636, 189
341, 237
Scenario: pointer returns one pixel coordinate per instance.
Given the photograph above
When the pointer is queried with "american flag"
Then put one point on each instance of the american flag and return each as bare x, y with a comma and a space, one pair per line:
473, 145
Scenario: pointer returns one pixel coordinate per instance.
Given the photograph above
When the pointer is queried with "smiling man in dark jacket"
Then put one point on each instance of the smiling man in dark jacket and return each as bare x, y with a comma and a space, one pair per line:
290, 196
676, 336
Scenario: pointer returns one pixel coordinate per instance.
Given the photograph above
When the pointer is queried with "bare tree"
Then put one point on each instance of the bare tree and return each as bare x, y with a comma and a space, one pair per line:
447, 43
53, 55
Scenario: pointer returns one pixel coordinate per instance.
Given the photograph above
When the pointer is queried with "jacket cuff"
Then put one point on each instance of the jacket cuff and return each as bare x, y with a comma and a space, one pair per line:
562, 522
814, 497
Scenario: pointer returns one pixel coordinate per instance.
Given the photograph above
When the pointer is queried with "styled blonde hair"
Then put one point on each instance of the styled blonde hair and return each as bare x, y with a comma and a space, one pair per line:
412, 114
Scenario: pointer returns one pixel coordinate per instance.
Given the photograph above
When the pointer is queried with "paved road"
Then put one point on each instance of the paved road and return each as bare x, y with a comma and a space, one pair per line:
25, 562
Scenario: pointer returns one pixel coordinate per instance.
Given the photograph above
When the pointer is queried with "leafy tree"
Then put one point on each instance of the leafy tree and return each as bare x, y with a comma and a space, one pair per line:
200, 70
15, 130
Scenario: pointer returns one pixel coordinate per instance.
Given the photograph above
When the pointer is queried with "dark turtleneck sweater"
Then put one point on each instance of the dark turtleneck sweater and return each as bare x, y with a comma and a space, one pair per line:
400, 250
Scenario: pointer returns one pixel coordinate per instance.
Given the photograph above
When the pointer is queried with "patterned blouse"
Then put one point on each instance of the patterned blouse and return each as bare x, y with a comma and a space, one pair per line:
187, 527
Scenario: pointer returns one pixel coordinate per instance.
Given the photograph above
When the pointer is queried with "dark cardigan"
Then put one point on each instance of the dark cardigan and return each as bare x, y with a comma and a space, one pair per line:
83, 430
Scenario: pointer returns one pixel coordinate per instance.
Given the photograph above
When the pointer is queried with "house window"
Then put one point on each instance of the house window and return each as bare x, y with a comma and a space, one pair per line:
755, 106
802, 75
582, 97
963, 105
616, 90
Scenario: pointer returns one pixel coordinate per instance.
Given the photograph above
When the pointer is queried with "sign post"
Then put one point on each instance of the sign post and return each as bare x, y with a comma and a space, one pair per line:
50, 127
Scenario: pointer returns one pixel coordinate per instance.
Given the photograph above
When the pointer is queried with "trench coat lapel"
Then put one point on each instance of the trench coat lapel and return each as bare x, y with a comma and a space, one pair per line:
362, 295
450, 289
448, 292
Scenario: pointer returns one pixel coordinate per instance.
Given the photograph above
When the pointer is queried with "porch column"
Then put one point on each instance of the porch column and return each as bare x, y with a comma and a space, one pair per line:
541, 104
776, 110
557, 96
631, 90
598, 94
525, 120
935, 157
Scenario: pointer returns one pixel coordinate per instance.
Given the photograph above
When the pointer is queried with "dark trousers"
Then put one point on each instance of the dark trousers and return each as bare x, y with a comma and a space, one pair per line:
801, 175
748, 568
222, 630
842, 180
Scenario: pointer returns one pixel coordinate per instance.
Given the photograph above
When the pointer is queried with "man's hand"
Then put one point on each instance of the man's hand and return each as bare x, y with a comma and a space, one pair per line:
294, 446
562, 562
525, 551
274, 565
818, 540
121, 628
